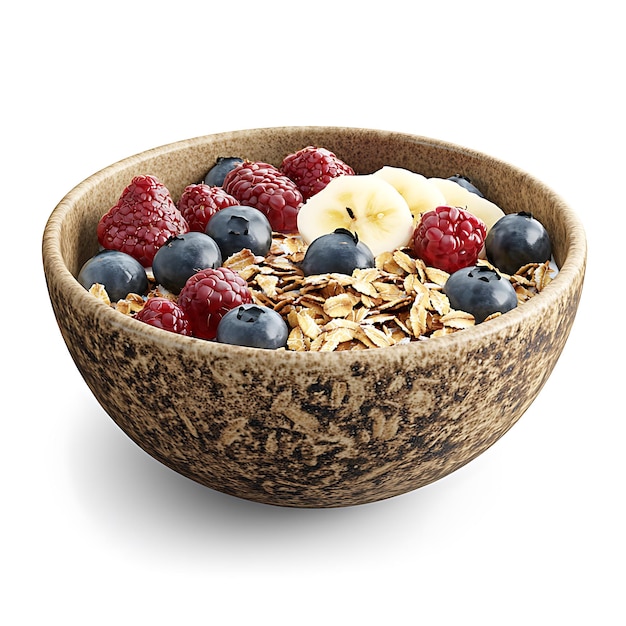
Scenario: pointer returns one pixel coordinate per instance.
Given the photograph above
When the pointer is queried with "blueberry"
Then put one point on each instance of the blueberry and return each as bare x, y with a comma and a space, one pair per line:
237, 227
481, 291
118, 272
182, 256
337, 252
215, 176
254, 326
516, 240
465, 182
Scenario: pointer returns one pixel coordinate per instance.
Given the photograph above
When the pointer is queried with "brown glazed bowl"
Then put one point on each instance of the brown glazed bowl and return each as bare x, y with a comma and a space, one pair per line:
313, 429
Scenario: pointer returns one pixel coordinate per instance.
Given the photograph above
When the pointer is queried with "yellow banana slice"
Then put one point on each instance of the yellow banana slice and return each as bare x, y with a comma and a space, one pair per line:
420, 194
458, 196
364, 204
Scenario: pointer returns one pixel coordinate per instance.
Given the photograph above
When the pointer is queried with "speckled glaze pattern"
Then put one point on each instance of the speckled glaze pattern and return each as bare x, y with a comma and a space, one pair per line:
313, 429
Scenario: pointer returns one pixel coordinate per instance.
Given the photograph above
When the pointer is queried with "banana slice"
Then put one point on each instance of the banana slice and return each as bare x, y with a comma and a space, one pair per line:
421, 195
458, 196
363, 204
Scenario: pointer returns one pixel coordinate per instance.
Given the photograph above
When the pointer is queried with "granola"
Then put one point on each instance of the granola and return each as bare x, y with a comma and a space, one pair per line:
398, 301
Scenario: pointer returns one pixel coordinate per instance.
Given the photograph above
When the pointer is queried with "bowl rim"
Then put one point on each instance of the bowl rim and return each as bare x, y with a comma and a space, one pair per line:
571, 271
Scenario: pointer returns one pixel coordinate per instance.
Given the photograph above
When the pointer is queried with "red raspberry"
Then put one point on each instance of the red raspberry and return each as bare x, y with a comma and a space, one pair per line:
166, 314
265, 187
199, 203
449, 238
143, 219
208, 295
313, 168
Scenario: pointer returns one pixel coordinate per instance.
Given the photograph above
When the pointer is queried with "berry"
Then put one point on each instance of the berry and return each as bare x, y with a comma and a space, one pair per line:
449, 238
143, 219
223, 165
313, 168
265, 187
481, 291
199, 203
238, 227
182, 256
516, 240
165, 314
118, 272
465, 182
337, 252
208, 295
254, 326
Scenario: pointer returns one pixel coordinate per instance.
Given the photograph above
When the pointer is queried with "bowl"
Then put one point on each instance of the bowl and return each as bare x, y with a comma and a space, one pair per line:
313, 429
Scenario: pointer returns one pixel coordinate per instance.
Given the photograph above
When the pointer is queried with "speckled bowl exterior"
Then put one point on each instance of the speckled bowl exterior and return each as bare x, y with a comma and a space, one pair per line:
313, 429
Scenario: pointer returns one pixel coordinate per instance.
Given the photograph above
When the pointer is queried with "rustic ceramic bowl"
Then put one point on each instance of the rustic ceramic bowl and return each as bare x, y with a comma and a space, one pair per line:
313, 429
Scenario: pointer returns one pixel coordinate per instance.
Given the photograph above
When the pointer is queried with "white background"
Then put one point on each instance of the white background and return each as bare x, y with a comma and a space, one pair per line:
94, 531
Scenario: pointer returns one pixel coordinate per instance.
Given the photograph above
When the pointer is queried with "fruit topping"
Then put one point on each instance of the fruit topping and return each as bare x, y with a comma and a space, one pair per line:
314, 257
239, 227
516, 240
165, 314
118, 272
199, 203
265, 187
253, 325
215, 176
208, 295
363, 204
449, 238
338, 252
182, 256
312, 168
481, 291
143, 219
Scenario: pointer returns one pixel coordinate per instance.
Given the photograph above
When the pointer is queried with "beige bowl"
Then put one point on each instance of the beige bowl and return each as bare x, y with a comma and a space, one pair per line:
313, 429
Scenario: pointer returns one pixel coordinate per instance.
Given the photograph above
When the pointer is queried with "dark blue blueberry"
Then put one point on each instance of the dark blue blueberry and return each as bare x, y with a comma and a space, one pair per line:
338, 252
118, 272
237, 227
516, 240
465, 182
182, 256
254, 326
481, 291
215, 176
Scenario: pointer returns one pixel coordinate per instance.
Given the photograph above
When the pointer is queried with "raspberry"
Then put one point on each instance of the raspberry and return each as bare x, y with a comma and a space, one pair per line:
313, 168
199, 203
208, 295
449, 238
143, 219
166, 314
265, 187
